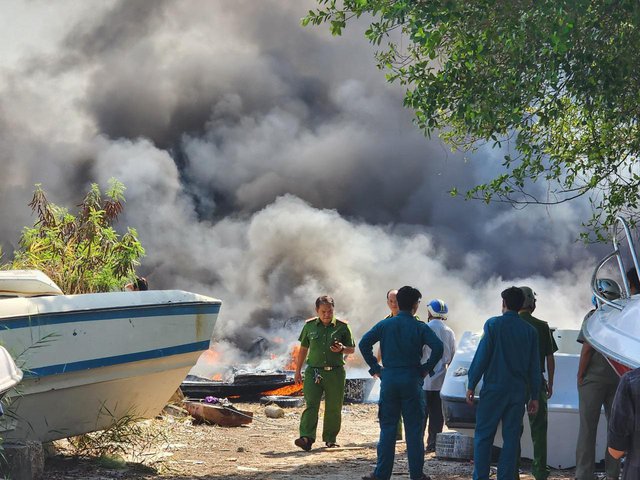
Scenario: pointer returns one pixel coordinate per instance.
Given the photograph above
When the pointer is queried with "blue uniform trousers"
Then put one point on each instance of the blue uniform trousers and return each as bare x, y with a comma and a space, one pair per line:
401, 392
493, 407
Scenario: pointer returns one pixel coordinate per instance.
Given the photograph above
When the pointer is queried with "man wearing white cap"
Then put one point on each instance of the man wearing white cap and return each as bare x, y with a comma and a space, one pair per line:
437, 311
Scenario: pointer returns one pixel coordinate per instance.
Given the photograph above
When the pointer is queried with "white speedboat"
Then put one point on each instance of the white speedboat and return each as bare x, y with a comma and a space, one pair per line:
92, 358
614, 328
563, 413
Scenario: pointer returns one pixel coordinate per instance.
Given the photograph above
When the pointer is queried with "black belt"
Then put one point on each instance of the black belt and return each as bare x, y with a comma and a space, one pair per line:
328, 369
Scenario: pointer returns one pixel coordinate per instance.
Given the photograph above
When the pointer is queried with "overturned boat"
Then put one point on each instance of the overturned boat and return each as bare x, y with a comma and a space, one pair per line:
614, 328
91, 359
563, 414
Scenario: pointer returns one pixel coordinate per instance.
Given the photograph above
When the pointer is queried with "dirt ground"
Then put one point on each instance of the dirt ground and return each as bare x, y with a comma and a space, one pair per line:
262, 450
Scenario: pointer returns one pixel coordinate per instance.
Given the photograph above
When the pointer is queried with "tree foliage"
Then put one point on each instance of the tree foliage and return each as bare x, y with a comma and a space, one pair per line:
555, 83
81, 253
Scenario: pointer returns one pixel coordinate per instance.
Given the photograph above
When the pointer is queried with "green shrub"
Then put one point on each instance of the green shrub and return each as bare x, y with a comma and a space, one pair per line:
82, 253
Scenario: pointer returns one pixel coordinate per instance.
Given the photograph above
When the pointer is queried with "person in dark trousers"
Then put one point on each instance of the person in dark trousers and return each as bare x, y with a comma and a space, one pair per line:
624, 425
324, 341
538, 423
392, 303
437, 312
597, 384
508, 361
402, 339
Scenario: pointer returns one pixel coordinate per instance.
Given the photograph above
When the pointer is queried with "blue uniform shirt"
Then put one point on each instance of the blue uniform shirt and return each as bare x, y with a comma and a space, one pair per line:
401, 340
507, 356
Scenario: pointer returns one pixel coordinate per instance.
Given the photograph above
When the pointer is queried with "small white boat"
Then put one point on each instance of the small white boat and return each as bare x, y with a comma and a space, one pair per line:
614, 328
563, 415
26, 283
92, 358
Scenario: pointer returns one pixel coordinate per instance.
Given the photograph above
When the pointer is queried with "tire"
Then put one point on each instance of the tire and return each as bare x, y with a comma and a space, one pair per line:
282, 401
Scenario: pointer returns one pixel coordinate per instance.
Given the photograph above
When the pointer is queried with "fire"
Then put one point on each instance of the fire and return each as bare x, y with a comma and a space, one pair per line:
210, 356
286, 390
293, 360
217, 377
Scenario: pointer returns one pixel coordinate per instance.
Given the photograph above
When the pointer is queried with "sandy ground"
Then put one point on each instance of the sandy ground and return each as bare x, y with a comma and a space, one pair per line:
262, 450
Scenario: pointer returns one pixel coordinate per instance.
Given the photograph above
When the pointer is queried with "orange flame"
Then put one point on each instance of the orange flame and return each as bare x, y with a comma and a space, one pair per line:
293, 358
217, 377
210, 356
286, 390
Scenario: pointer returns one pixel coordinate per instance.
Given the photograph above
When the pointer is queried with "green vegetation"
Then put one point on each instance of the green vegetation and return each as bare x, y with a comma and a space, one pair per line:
553, 83
81, 253
128, 439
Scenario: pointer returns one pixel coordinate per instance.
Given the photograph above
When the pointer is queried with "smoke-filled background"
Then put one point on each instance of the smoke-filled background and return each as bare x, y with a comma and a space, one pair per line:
265, 164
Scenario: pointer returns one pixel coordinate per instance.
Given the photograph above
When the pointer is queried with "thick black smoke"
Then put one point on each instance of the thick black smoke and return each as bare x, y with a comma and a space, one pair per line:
265, 163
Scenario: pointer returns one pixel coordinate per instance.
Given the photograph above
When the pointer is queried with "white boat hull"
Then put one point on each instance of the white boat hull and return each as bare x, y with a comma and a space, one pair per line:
616, 333
563, 415
59, 406
91, 358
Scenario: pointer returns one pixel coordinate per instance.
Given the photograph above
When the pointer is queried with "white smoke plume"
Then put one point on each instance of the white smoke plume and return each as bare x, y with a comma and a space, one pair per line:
265, 164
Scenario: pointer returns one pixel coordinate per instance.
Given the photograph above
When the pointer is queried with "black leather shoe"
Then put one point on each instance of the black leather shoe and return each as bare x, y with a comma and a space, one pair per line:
304, 443
371, 476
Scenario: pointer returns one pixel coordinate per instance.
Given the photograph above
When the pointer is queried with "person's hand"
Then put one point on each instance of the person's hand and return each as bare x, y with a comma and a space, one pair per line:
336, 347
580, 379
549, 390
376, 375
532, 408
469, 397
297, 378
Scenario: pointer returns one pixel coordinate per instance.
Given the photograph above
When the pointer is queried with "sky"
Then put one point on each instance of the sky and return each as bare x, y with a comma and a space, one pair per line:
266, 164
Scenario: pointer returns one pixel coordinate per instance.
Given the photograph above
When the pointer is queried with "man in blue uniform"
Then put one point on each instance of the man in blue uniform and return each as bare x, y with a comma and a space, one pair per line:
508, 361
402, 339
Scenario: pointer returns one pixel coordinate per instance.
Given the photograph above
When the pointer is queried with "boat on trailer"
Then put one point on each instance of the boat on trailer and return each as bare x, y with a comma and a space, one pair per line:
563, 414
91, 359
613, 330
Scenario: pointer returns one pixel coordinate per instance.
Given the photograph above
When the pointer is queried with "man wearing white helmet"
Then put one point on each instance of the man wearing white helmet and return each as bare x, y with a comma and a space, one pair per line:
597, 384
437, 311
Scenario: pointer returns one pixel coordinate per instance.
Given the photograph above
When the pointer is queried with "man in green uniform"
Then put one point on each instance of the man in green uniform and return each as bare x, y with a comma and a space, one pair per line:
324, 342
538, 423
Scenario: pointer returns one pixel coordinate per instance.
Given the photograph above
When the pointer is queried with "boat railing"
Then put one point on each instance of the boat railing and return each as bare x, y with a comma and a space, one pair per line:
618, 255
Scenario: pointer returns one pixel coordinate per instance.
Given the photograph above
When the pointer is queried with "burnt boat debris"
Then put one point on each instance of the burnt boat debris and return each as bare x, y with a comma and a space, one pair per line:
242, 385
